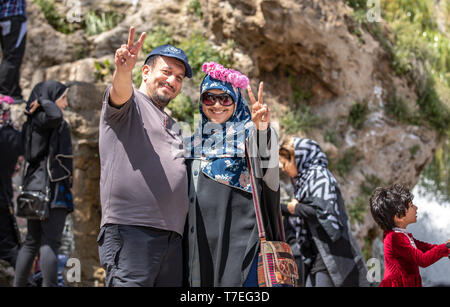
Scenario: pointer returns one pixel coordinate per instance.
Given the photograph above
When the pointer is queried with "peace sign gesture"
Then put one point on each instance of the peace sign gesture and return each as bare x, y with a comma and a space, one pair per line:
260, 111
126, 55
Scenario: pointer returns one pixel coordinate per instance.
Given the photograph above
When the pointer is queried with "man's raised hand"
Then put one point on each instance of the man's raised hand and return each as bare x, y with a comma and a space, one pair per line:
126, 56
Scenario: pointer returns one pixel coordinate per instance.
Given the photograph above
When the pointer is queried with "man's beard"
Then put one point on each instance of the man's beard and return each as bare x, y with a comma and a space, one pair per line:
161, 100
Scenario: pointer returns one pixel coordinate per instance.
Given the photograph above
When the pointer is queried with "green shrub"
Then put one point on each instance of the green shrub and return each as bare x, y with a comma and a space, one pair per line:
98, 22
157, 37
358, 114
197, 48
103, 69
183, 109
331, 136
357, 4
413, 150
436, 177
195, 7
346, 161
418, 50
434, 111
358, 210
396, 107
57, 21
300, 118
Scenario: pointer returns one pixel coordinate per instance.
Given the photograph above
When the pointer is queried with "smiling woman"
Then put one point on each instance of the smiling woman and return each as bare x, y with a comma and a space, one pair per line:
217, 105
222, 243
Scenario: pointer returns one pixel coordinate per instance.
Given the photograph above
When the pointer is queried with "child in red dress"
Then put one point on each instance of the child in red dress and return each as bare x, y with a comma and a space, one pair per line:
393, 210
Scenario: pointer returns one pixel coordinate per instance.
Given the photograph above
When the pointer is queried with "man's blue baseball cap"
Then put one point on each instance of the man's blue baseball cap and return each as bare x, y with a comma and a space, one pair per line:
173, 52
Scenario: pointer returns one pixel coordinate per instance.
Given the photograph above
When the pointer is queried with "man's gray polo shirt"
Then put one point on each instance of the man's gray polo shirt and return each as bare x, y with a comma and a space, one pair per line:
143, 177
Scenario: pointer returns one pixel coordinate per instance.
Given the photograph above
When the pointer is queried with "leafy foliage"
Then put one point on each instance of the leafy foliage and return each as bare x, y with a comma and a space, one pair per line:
358, 114
98, 22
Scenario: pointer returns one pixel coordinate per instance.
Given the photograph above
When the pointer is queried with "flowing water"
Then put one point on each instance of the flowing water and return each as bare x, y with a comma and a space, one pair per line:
433, 226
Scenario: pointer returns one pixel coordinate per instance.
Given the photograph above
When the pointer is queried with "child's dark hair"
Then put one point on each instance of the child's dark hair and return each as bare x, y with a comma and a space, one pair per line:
385, 203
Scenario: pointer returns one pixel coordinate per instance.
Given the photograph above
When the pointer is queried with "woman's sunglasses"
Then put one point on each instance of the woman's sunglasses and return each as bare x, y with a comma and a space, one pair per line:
210, 99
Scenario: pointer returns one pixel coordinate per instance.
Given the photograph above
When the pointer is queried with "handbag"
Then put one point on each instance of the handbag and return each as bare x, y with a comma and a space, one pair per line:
276, 263
33, 204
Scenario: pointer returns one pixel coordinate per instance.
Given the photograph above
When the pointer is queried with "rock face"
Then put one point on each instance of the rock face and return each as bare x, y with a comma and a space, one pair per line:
284, 43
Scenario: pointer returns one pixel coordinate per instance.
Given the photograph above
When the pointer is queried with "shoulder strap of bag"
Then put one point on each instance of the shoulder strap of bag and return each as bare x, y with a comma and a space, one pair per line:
24, 172
256, 203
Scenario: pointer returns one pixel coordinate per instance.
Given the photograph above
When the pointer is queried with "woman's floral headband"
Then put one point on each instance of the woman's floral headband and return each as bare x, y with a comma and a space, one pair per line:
232, 76
6, 99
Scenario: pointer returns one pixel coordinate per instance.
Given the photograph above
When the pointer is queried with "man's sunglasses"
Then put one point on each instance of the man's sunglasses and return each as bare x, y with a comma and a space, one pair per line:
210, 99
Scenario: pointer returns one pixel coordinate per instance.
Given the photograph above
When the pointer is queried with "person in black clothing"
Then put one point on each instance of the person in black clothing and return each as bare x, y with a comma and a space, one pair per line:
10, 150
48, 154
316, 223
13, 26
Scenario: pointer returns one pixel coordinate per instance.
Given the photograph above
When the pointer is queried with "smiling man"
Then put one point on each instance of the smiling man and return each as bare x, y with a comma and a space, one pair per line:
143, 187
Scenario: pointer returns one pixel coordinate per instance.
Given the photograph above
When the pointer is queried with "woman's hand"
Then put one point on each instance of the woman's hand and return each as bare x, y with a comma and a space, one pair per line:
260, 111
291, 205
33, 107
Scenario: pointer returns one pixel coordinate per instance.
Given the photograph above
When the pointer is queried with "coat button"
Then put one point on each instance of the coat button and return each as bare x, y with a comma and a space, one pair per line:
195, 173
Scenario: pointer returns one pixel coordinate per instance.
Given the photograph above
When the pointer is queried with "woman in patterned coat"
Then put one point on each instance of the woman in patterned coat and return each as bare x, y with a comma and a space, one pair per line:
318, 220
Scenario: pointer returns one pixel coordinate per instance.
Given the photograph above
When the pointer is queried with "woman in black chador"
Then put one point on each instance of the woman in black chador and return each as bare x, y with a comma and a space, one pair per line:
48, 156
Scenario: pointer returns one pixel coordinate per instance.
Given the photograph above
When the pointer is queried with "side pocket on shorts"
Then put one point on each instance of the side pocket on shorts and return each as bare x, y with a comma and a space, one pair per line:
109, 246
101, 235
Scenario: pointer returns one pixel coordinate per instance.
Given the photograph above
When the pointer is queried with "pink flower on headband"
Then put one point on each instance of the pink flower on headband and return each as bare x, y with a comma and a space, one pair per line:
7, 99
229, 75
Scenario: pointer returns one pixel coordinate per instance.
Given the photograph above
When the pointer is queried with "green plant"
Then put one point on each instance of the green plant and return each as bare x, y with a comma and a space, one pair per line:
159, 35
346, 161
358, 114
436, 177
357, 211
102, 69
369, 184
434, 111
397, 108
413, 150
300, 118
199, 50
183, 109
57, 21
357, 4
195, 7
331, 136
98, 22
419, 50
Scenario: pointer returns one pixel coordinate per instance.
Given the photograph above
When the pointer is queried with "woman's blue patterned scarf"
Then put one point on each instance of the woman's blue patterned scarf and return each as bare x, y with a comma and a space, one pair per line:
223, 145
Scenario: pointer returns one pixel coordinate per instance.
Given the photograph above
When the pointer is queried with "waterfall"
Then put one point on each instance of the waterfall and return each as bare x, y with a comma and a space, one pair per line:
433, 226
